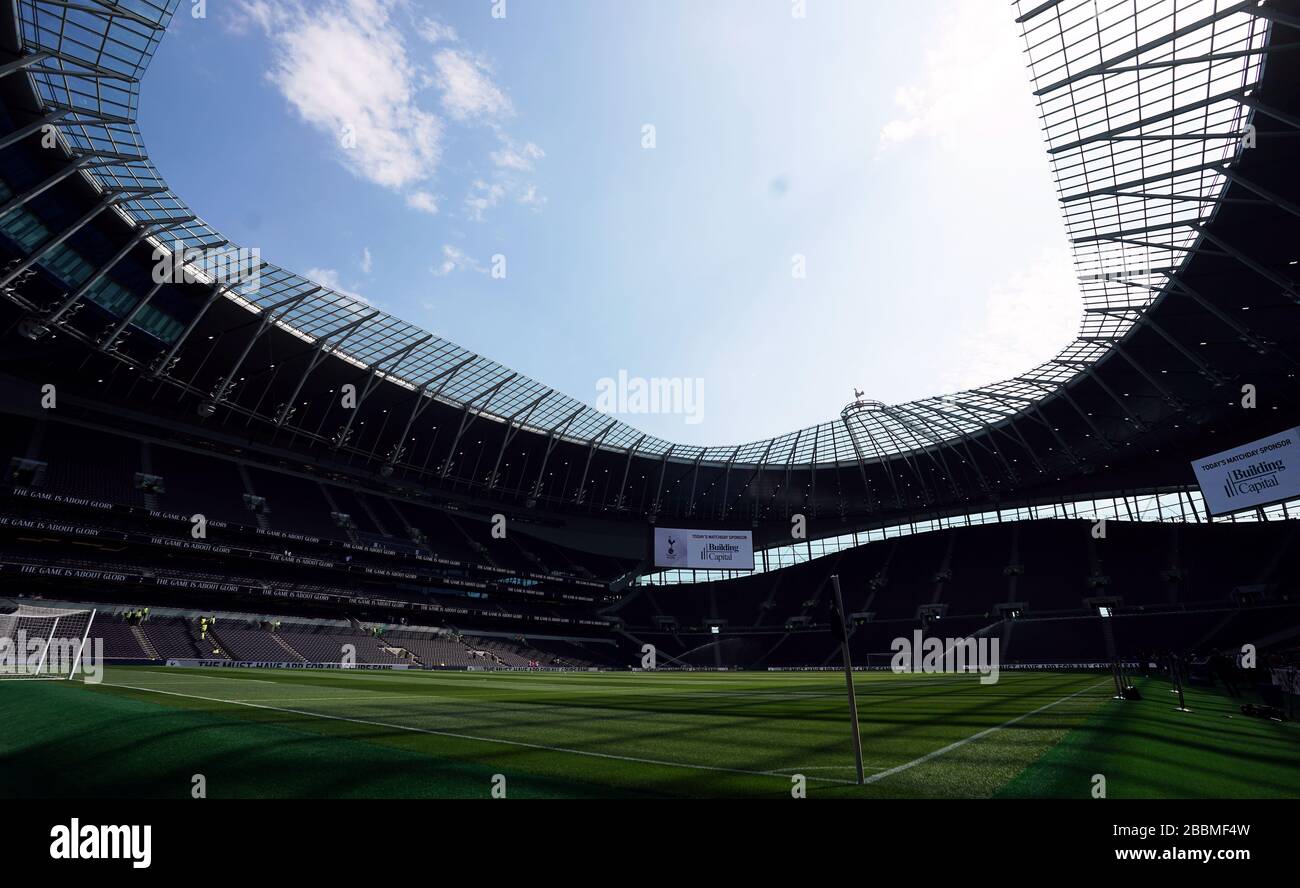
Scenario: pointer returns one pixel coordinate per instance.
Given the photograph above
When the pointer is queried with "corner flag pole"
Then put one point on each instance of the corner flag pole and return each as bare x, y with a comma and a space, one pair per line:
841, 631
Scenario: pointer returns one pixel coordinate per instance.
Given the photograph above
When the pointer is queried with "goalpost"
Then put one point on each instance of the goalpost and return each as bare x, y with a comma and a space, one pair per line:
43, 642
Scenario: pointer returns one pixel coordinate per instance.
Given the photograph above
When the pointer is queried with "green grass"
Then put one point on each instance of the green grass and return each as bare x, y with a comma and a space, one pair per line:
272, 733
1150, 749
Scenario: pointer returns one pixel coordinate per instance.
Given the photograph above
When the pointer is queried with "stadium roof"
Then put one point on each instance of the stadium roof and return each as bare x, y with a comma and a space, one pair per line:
1144, 105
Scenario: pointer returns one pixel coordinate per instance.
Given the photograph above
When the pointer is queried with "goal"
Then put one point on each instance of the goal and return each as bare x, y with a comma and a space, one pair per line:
43, 642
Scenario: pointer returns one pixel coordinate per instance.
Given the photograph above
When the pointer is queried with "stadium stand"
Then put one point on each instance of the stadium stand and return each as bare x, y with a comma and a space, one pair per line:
370, 524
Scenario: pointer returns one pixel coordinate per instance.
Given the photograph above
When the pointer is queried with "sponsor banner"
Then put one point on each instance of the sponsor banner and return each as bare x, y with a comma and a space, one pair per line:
343, 547
703, 549
1257, 474
207, 548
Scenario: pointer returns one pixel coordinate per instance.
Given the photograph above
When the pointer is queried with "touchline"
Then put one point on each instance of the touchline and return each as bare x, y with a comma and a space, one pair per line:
90, 842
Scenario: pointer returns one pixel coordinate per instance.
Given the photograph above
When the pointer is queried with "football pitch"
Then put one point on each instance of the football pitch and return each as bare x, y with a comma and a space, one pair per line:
159, 733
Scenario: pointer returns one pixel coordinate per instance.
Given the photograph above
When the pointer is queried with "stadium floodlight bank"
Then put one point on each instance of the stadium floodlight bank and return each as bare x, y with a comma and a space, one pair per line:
43, 642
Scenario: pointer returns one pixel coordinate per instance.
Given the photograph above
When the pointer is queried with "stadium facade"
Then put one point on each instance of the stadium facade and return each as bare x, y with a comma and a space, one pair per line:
1171, 128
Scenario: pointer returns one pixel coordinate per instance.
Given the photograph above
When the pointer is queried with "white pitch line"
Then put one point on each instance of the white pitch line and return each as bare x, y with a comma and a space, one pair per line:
930, 756
518, 743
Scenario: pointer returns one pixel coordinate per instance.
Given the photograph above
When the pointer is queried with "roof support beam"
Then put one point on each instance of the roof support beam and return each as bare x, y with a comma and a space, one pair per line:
423, 399
1269, 196
372, 380
953, 429
762, 464
884, 460
106, 9
45, 185
1037, 11
318, 353
553, 438
659, 490
1203, 368
581, 494
1060, 389
936, 456
862, 462
115, 333
1169, 397
469, 416
1233, 94
34, 127
1244, 333
627, 469
1216, 165
513, 426
1207, 58
1104, 67
991, 447
264, 324
44, 249
789, 465
695, 480
1269, 111
74, 297
1250, 263
22, 62
726, 483
1088, 370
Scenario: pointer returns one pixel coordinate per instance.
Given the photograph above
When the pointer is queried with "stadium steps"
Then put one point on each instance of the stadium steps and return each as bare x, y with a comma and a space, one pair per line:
477, 547
263, 522
1278, 638
1218, 627
217, 642
762, 661
212, 647
401, 653
404, 653
294, 656
658, 653
145, 644
350, 532
370, 513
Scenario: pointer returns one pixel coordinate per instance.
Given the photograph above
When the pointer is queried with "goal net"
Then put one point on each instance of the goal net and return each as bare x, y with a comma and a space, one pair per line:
43, 642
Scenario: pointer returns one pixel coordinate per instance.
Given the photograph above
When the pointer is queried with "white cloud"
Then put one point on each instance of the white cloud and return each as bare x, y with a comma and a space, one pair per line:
367, 261
518, 159
436, 32
250, 14
530, 198
1026, 320
973, 60
329, 278
343, 67
969, 117
422, 201
483, 196
456, 259
468, 92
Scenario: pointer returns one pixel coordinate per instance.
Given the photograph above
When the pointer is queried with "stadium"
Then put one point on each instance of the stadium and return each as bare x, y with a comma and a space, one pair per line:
299, 547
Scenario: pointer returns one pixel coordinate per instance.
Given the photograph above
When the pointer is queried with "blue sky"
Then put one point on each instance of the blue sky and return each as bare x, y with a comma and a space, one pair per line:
392, 149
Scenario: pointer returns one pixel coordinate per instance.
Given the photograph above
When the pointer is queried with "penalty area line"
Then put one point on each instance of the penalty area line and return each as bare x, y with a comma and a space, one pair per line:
930, 756
456, 736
